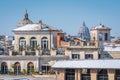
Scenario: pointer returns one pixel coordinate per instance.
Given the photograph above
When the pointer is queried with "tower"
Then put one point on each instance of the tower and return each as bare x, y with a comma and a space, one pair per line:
100, 34
25, 21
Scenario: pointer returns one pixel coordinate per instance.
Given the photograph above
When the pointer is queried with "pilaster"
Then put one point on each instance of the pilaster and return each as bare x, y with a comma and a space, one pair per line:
60, 74
93, 74
111, 74
79, 74
76, 74
53, 52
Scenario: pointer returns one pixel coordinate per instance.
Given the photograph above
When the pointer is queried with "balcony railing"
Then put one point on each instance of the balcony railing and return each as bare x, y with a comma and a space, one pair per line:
15, 53
30, 53
45, 52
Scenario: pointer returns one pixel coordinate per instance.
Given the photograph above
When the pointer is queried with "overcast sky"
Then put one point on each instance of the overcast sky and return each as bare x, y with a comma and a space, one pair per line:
67, 15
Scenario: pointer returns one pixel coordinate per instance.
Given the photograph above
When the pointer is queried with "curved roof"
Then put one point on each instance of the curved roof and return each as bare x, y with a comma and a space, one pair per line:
84, 32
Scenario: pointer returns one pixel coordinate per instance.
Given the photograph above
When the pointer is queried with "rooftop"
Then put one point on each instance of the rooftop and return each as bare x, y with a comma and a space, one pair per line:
101, 27
111, 47
31, 27
93, 64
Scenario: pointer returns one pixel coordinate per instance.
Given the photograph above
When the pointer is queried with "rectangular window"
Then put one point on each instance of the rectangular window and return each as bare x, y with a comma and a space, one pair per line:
107, 56
85, 74
88, 56
106, 37
45, 69
75, 56
70, 74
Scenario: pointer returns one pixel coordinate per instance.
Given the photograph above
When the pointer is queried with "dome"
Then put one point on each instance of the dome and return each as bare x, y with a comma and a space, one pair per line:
25, 21
84, 32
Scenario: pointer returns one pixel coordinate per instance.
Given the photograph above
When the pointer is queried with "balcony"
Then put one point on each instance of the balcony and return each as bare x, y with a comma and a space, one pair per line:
29, 53
45, 52
16, 53
83, 47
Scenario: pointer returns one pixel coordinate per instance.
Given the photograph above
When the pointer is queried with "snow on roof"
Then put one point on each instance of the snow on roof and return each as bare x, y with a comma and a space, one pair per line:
111, 47
114, 48
100, 27
27, 27
98, 64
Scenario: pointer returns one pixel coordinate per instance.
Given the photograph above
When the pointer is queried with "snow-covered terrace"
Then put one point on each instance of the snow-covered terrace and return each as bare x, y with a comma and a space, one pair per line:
88, 64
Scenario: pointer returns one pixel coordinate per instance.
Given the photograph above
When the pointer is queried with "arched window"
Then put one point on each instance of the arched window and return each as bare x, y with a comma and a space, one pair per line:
100, 36
4, 68
17, 68
30, 67
106, 36
33, 43
22, 43
44, 43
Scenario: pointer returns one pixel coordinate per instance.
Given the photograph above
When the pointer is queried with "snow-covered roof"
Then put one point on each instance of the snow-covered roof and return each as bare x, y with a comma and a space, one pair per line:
93, 64
30, 27
27, 27
100, 27
111, 47
116, 48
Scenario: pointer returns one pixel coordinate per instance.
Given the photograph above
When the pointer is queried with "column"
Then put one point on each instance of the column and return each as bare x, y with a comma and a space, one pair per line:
28, 40
16, 44
78, 74
111, 74
68, 53
82, 54
95, 55
56, 74
93, 74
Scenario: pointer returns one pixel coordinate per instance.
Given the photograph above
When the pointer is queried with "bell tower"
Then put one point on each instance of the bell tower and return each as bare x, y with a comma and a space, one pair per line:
100, 34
